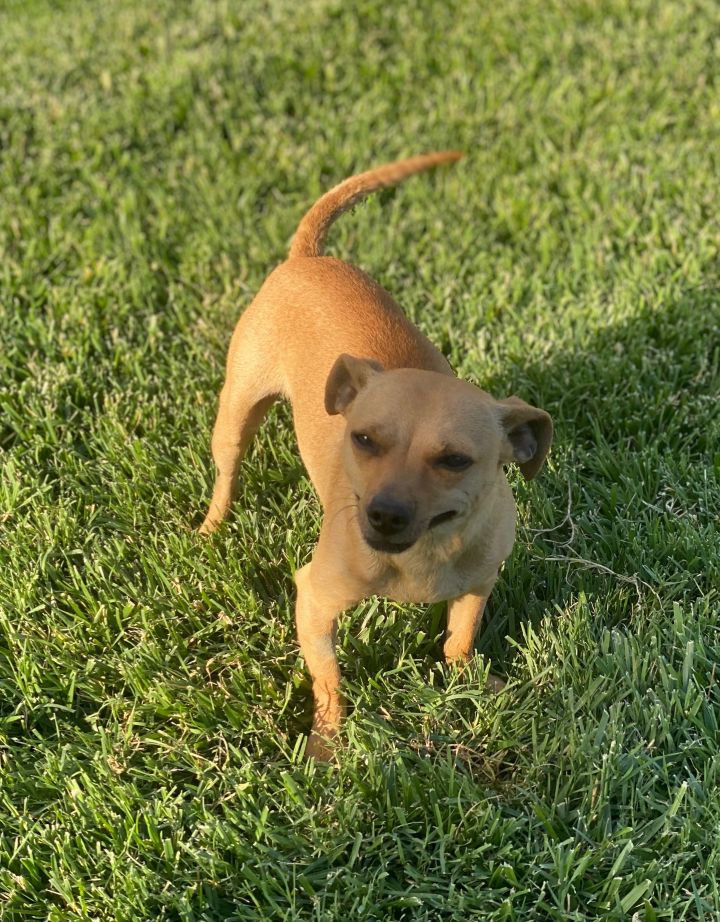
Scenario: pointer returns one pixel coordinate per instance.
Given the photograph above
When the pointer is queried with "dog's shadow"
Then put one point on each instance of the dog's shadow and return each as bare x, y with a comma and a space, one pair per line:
617, 513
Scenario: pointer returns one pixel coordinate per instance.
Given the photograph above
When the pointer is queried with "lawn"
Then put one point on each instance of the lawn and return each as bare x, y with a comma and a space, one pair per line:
155, 159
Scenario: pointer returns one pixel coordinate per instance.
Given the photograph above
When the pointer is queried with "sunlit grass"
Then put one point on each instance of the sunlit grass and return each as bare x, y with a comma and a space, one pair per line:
154, 162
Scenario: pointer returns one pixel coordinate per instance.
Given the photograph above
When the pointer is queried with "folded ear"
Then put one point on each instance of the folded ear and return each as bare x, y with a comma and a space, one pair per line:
347, 377
529, 432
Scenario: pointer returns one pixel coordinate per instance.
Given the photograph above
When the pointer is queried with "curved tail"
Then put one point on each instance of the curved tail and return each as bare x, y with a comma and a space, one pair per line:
311, 232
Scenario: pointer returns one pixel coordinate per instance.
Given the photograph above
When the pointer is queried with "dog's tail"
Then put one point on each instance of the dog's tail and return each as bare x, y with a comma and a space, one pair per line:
310, 235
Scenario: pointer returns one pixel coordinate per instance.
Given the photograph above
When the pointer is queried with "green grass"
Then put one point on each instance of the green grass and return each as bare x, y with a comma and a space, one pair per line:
155, 159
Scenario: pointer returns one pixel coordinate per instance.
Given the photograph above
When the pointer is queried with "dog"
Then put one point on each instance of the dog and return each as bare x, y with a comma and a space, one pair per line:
407, 459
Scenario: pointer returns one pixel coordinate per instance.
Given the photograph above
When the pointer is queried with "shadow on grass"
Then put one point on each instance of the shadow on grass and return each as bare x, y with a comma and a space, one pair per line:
624, 511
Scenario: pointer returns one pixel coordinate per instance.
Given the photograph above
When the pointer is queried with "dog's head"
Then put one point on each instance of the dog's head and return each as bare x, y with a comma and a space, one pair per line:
423, 450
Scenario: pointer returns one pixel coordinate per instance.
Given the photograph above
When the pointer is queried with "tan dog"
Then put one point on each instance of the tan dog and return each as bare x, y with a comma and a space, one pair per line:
407, 459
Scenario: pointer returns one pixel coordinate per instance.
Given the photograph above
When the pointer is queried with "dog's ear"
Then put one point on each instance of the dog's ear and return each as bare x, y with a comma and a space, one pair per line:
528, 431
347, 376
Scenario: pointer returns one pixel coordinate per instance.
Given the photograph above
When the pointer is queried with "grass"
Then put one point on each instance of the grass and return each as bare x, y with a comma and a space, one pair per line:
155, 160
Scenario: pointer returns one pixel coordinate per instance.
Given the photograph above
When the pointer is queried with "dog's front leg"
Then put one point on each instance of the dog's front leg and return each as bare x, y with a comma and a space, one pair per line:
464, 617
316, 614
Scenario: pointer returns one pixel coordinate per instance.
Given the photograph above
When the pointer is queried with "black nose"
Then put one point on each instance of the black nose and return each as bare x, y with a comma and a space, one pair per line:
389, 516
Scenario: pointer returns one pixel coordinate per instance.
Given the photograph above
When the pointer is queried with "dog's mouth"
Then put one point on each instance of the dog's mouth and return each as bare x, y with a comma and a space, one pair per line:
388, 547
443, 517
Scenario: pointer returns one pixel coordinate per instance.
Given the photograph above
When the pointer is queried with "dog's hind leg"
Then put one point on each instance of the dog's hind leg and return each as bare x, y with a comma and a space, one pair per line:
247, 395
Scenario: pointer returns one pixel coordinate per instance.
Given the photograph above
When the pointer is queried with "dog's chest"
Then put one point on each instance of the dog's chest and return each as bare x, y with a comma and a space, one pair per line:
422, 580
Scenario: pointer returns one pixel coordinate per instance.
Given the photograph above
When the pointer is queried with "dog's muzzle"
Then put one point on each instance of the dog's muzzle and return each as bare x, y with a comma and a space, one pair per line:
389, 524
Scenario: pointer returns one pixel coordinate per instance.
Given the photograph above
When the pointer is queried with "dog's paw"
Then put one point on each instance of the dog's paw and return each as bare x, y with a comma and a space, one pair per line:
320, 748
453, 655
494, 683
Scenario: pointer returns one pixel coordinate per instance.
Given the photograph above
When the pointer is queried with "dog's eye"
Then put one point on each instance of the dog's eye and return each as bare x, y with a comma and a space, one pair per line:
362, 440
454, 462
